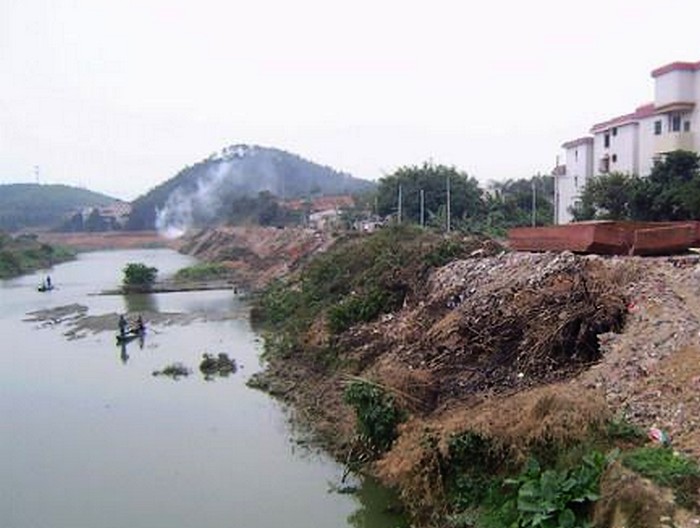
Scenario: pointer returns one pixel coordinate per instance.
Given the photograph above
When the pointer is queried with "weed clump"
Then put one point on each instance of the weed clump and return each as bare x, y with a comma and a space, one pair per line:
669, 469
378, 416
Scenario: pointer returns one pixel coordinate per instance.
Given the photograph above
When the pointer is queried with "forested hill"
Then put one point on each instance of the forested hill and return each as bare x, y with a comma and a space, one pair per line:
25, 205
198, 194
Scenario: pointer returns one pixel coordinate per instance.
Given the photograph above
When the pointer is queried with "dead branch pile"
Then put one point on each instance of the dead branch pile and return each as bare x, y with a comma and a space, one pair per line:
497, 328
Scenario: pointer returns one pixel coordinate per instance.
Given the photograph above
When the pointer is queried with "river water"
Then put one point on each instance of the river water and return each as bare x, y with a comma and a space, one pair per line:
90, 438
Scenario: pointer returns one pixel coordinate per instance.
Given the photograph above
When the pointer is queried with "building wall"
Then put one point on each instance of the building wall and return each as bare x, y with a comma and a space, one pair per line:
674, 86
579, 168
647, 144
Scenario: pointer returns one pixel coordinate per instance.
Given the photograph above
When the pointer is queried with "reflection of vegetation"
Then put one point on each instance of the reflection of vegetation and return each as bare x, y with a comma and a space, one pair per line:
378, 507
139, 277
24, 254
141, 302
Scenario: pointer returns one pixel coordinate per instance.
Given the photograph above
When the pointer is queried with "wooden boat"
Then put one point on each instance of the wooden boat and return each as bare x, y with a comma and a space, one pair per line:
130, 335
608, 237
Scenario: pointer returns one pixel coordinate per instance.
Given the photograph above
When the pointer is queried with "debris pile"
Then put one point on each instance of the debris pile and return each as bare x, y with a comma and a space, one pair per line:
501, 323
175, 371
220, 365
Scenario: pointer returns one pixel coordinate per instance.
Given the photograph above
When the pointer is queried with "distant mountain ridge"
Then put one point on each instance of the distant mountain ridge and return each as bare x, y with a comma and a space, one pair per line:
199, 194
32, 205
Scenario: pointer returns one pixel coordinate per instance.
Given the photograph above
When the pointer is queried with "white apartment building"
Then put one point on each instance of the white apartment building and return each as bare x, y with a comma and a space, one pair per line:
631, 143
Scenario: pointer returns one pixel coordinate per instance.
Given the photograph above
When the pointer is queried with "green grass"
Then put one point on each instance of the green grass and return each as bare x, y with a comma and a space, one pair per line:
25, 254
669, 469
203, 272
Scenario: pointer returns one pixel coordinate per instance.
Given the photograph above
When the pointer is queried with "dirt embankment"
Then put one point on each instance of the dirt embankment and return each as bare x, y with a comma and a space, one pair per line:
256, 255
523, 349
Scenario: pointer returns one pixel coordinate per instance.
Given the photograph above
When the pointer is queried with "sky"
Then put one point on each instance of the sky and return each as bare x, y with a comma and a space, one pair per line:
119, 96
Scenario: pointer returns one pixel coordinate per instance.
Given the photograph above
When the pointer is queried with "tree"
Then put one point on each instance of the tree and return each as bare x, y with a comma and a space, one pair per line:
139, 277
509, 203
672, 190
465, 195
95, 222
607, 197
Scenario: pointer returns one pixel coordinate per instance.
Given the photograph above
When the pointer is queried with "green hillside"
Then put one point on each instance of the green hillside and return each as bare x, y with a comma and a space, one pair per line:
204, 192
26, 205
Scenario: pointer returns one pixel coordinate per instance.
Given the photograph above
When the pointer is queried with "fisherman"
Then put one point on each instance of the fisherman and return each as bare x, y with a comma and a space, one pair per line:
122, 325
139, 328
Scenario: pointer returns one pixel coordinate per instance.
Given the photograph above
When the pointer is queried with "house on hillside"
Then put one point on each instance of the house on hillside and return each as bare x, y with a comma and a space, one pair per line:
323, 211
632, 142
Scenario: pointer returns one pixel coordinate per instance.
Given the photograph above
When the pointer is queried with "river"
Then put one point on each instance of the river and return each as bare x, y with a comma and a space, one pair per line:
90, 438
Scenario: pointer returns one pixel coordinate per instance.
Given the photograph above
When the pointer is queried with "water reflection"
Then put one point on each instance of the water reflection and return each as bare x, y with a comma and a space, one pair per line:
141, 302
377, 507
123, 348
228, 443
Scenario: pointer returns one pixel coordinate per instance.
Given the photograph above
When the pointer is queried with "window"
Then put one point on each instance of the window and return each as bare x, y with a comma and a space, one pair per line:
657, 128
576, 154
604, 164
686, 126
614, 131
606, 140
614, 158
675, 123
576, 182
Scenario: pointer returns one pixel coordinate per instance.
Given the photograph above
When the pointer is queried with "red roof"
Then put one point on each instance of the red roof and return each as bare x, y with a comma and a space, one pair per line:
640, 113
676, 66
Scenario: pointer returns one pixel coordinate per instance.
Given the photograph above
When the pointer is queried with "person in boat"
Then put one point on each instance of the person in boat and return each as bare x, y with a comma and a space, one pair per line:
122, 325
139, 327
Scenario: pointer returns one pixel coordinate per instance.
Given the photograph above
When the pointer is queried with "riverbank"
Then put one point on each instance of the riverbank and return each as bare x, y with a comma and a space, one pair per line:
25, 253
109, 240
490, 360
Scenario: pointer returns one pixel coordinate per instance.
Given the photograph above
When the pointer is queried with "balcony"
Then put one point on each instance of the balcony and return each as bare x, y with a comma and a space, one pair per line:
674, 141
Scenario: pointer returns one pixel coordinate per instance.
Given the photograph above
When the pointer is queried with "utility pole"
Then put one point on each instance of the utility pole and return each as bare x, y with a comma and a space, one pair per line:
422, 208
400, 204
448, 204
534, 202
36, 173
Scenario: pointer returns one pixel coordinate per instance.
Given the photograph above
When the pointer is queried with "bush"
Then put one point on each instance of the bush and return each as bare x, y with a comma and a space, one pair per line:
377, 414
139, 277
552, 498
357, 309
203, 272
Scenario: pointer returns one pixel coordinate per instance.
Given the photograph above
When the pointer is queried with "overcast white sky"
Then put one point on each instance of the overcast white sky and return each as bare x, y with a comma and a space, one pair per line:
119, 95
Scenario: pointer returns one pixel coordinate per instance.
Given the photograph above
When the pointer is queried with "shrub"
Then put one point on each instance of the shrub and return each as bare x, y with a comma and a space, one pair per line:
550, 498
377, 414
202, 272
138, 276
357, 309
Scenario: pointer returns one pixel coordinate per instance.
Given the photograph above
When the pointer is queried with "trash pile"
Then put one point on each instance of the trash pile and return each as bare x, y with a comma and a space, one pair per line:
502, 323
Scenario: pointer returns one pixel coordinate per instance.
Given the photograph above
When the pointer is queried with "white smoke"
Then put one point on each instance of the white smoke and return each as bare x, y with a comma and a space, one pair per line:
182, 209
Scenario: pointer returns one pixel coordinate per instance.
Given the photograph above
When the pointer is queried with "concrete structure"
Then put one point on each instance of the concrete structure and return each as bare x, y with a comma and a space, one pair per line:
631, 143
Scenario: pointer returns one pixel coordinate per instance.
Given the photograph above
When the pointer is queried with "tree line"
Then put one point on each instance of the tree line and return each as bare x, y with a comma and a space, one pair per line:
671, 192
419, 195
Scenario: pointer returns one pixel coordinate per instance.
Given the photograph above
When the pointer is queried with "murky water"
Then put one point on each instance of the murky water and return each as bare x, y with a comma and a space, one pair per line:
89, 438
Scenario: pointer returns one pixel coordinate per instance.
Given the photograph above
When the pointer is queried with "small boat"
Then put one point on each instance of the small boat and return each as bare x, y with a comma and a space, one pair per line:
130, 335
